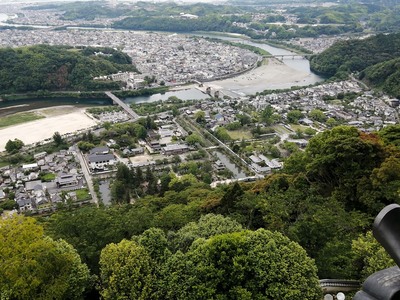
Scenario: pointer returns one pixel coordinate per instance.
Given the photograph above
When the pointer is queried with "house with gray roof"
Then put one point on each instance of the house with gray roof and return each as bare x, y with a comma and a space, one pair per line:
173, 149
25, 204
66, 180
100, 150
100, 161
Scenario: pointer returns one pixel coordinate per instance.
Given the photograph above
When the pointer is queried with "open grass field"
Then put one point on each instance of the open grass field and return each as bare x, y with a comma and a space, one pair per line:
298, 127
240, 134
82, 194
4, 163
280, 129
49, 177
19, 119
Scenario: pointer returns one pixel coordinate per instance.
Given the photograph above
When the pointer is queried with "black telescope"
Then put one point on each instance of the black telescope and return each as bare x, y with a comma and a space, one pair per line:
385, 284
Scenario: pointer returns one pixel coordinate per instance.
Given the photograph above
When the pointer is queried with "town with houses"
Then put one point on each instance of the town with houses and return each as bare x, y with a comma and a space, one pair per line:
170, 134
171, 58
20, 15
227, 132
63, 177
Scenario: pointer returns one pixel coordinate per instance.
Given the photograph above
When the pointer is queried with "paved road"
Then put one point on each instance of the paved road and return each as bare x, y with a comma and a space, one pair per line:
88, 178
222, 144
126, 107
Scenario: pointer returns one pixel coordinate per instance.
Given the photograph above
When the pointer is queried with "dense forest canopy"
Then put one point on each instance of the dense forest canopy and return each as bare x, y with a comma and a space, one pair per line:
320, 206
356, 55
57, 68
375, 58
34, 266
384, 76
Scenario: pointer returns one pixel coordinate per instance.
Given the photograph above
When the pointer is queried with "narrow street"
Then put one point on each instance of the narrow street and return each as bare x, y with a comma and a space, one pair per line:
88, 178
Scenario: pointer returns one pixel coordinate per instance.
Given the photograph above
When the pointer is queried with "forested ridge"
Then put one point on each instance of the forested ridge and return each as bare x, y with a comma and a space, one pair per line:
58, 68
267, 239
376, 58
384, 76
356, 55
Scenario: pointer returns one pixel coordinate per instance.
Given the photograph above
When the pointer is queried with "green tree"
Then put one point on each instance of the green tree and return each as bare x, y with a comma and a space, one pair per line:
200, 116
164, 185
206, 227
176, 159
231, 196
14, 146
386, 179
222, 134
138, 177
179, 184
9, 204
140, 131
294, 116
107, 125
243, 265
89, 230
331, 122
34, 266
149, 176
58, 140
317, 115
155, 243
175, 111
290, 146
174, 216
123, 174
369, 256
339, 162
244, 119
120, 192
310, 131
193, 139
391, 135
85, 146
126, 271
266, 115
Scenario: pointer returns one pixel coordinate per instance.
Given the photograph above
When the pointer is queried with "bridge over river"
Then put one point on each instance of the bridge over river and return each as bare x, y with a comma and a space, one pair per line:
124, 106
292, 56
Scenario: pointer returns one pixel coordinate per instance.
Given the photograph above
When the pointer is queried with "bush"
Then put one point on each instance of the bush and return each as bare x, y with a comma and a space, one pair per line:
8, 205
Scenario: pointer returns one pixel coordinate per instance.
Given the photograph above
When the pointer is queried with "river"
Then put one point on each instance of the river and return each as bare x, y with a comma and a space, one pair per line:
297, 64
186, 94
276, 74
5, 17
104, 188
290, 72
237, 173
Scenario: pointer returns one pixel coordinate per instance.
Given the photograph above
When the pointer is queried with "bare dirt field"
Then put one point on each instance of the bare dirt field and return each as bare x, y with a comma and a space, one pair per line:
64, 119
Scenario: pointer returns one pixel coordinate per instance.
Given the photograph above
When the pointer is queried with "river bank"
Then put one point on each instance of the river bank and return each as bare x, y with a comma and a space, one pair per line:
82, 95
271, 75
64, 119
69, 118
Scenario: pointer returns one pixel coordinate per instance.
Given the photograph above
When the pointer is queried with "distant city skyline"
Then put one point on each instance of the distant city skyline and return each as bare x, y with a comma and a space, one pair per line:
111, 1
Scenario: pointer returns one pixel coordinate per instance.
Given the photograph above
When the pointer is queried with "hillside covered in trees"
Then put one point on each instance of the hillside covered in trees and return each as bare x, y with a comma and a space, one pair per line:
58, 68
272, 238
384, 76
356, 55
376, 58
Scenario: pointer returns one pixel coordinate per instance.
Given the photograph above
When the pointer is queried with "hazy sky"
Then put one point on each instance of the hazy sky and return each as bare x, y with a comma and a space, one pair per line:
131, 1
